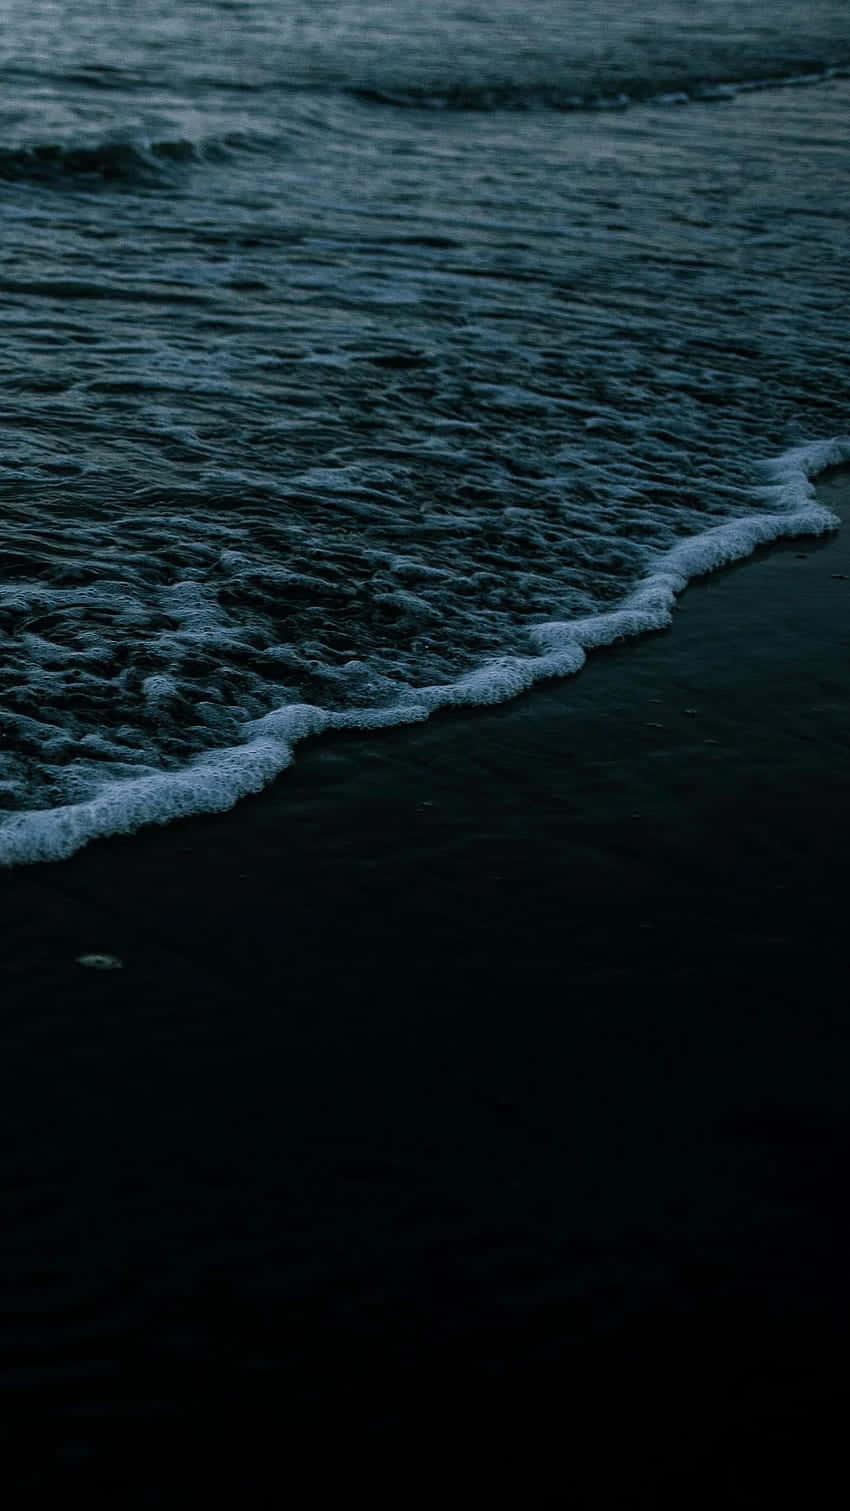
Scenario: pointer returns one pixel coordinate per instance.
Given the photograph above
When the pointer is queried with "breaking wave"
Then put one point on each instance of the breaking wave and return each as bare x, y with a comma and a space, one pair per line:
571, 95
123, 164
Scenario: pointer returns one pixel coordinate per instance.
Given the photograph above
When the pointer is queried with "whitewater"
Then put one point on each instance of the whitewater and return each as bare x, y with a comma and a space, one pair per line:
360, 365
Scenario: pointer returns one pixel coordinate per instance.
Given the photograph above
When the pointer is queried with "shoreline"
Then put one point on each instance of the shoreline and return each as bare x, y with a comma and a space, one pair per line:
215, 783
483, 1071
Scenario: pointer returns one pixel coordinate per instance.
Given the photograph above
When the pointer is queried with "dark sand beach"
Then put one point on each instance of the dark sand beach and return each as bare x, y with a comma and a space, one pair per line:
470, 1108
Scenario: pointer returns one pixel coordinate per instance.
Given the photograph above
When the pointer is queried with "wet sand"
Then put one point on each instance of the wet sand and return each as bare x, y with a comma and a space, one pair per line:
471, 1106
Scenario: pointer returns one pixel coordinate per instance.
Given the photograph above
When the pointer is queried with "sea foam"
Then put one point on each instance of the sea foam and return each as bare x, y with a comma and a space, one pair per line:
218, 779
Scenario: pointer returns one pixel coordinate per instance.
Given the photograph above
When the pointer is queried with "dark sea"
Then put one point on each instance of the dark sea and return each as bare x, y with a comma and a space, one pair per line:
366, 357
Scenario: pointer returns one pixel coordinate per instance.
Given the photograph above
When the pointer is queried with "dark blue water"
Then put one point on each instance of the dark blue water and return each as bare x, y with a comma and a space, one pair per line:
361, 358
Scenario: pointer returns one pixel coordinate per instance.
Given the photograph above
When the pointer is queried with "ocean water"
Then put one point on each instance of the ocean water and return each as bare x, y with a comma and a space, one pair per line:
363, 357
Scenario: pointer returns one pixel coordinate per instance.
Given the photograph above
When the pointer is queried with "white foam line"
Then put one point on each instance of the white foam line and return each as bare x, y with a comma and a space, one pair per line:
216, 782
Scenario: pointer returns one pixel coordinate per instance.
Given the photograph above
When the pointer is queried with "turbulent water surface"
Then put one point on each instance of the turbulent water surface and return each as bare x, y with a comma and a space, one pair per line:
362, 357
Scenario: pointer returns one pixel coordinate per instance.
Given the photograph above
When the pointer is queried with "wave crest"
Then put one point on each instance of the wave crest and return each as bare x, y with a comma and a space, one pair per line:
109, 163
559, 95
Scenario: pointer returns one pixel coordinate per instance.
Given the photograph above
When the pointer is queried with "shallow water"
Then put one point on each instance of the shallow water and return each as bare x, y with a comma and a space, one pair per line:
350, 348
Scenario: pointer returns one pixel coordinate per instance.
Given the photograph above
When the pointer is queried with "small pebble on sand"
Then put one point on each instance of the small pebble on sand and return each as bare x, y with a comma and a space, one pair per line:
100, 962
